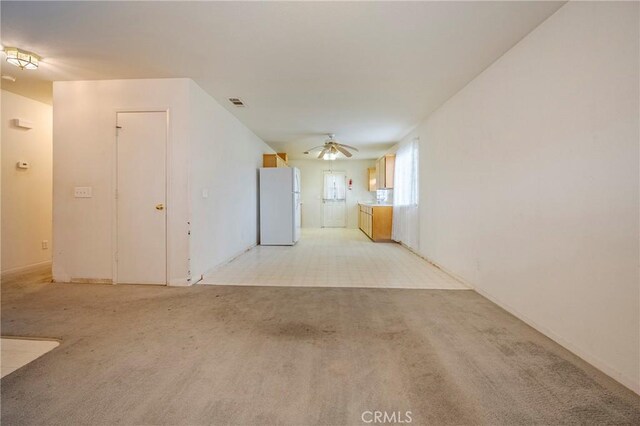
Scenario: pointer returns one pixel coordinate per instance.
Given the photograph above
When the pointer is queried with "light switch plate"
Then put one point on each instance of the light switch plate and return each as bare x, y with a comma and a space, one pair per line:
82, 192
205, 193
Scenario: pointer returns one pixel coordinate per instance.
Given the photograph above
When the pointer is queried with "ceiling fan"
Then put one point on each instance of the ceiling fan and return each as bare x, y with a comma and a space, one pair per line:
331, 148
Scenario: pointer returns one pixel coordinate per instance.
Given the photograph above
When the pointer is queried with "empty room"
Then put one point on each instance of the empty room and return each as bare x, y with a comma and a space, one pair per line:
320, 213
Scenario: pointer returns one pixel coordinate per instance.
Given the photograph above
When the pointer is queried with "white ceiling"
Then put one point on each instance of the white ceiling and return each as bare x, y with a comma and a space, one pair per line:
367, 71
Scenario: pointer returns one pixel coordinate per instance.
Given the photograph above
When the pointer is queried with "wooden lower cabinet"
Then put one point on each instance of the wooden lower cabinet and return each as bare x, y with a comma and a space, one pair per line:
376, 221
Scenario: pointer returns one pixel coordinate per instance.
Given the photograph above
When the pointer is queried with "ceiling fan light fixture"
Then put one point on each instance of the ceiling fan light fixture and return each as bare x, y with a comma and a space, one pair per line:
330, 156
331, 149
21, 58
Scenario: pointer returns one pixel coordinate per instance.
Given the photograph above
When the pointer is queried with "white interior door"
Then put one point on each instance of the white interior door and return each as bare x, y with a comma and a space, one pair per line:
141, 256
334, 202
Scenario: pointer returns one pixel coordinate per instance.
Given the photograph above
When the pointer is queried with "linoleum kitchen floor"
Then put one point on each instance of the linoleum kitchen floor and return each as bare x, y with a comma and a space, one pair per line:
333, 257
284, 355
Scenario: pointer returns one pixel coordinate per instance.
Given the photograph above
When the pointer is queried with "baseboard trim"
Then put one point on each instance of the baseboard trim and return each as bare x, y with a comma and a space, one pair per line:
225, 262
590, 359
436, 265
180, 282
91, 281
26, 269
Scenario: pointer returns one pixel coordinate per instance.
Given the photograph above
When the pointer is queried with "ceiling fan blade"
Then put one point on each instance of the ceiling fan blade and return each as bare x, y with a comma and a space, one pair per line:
350, 147
314, 148
324, 151
344, 151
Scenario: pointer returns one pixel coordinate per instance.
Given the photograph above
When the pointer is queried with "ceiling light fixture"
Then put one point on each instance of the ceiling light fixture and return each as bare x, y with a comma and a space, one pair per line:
21, 58
331, 148
330, 156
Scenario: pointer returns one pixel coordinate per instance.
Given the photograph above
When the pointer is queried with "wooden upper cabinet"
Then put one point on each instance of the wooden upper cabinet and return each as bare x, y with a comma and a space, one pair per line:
371, 179
385, 169
390, 167
275, 160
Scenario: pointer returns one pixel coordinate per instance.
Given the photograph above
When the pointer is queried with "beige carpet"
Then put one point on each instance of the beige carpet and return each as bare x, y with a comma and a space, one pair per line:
286, 355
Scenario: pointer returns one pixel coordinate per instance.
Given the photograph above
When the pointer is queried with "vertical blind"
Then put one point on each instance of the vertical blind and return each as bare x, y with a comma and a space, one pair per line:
405, 195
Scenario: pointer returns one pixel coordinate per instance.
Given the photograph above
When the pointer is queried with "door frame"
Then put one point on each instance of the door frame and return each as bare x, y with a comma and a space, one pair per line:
346, 210
114, 189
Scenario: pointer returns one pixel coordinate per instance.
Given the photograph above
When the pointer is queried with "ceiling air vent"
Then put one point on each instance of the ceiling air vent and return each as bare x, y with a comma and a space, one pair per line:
236, 102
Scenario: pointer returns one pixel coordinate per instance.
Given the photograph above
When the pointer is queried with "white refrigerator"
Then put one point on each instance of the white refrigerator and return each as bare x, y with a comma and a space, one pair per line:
279, 206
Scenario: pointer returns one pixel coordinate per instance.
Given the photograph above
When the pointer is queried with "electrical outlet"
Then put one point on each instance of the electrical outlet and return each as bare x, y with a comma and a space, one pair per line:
82, 192
45, 244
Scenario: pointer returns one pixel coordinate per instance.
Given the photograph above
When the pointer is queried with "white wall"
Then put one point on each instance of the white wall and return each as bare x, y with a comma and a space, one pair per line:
84, 114
225, 157
209, 149
26, 194
311, 174
529, 183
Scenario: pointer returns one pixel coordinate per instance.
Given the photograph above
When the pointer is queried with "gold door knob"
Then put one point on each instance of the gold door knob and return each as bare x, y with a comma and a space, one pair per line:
160, 206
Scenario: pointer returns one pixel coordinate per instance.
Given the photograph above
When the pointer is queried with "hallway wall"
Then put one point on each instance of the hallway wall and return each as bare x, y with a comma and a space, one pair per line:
208, 150
84, 155
26, 193
529, 183
224, 160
